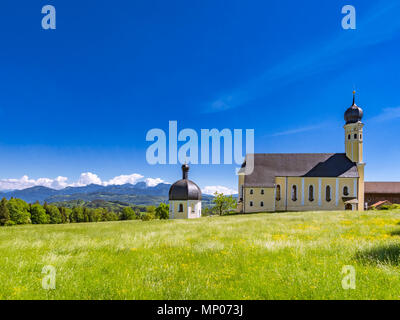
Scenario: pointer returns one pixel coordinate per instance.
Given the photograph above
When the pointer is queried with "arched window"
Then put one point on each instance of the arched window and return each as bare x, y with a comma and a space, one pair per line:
251, 203
328, 193
311, 193
349, 137
262, 191
355, 136
261, 204
278, 192
251, 191
294, 193
346, 191
180, 209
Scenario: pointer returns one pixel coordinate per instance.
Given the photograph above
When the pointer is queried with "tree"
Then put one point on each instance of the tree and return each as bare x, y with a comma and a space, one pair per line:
206, 211
77, 214
38, 214
54, 214
19, 211
86, 214
162, 211
151, 210
223, 204
65, 214
128, 214
4, 212
149, 214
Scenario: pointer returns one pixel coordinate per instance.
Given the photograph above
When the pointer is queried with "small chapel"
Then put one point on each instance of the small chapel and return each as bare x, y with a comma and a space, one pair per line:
184, 198
307, 181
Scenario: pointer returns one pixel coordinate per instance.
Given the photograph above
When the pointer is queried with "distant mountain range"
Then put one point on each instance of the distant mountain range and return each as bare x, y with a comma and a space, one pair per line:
137, 194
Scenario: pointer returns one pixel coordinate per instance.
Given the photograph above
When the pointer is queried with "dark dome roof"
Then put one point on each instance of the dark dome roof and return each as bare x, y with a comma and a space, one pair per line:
353, 114
184, 189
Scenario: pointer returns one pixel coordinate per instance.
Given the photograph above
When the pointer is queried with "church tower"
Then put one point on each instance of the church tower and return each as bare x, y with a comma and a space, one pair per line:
354, 144
184, 198
354, 132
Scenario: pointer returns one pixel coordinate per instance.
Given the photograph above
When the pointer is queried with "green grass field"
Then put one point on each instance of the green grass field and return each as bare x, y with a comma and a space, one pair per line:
257, 256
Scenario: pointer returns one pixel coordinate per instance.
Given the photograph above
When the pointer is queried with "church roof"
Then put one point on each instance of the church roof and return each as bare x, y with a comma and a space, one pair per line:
267, 166
353, 114
184, 189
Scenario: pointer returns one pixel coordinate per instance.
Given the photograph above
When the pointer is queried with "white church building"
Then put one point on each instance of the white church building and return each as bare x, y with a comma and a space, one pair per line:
184, 198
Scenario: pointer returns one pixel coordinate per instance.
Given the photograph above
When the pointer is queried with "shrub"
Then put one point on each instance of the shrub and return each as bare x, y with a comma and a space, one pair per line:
390, 207
128, 214
162, 211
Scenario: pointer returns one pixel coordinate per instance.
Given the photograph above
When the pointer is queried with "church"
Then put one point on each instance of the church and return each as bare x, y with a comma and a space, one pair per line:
184, 198
307, 181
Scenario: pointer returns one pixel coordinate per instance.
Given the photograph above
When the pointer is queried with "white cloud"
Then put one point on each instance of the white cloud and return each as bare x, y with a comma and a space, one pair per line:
85, 179
24, 182
220, 189
152, 182
125, 178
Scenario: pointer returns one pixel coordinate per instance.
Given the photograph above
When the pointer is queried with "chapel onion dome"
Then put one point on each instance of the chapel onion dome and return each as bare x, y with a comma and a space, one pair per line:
184, 189
353, 114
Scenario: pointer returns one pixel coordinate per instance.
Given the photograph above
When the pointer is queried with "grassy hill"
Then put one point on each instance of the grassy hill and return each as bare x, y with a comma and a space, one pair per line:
256, 256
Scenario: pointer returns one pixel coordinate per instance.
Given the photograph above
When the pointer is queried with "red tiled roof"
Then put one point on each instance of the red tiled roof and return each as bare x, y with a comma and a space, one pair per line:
380, 203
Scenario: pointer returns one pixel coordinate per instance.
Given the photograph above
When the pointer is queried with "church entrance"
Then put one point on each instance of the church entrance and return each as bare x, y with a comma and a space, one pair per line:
348, 207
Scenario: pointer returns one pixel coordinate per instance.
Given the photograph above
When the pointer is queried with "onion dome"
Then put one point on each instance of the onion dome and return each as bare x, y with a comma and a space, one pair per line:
184, 189
353, 114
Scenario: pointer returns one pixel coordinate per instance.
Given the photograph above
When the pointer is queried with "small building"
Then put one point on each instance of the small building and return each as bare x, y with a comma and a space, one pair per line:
379, 204
380, 191
307, 182
184, 198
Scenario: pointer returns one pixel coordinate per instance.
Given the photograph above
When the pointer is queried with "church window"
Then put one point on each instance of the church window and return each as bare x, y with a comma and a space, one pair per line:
328, 193
349, 137
251, 203
346, 191
355, 136
311, 193
180, 207
262, 191
251, 191
294, 193
262, 204
278, 192
360, 136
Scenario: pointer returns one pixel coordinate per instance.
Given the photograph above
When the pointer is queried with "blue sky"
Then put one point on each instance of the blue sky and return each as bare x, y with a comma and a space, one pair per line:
81, 98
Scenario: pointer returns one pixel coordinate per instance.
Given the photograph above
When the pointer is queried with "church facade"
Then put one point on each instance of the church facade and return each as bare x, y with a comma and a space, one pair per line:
307, 181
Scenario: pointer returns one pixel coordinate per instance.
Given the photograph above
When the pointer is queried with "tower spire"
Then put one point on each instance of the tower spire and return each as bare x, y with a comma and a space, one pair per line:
354, 97
185, 170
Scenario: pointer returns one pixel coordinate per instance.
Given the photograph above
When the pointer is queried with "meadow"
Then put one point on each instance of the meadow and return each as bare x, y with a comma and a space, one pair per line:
255, 256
